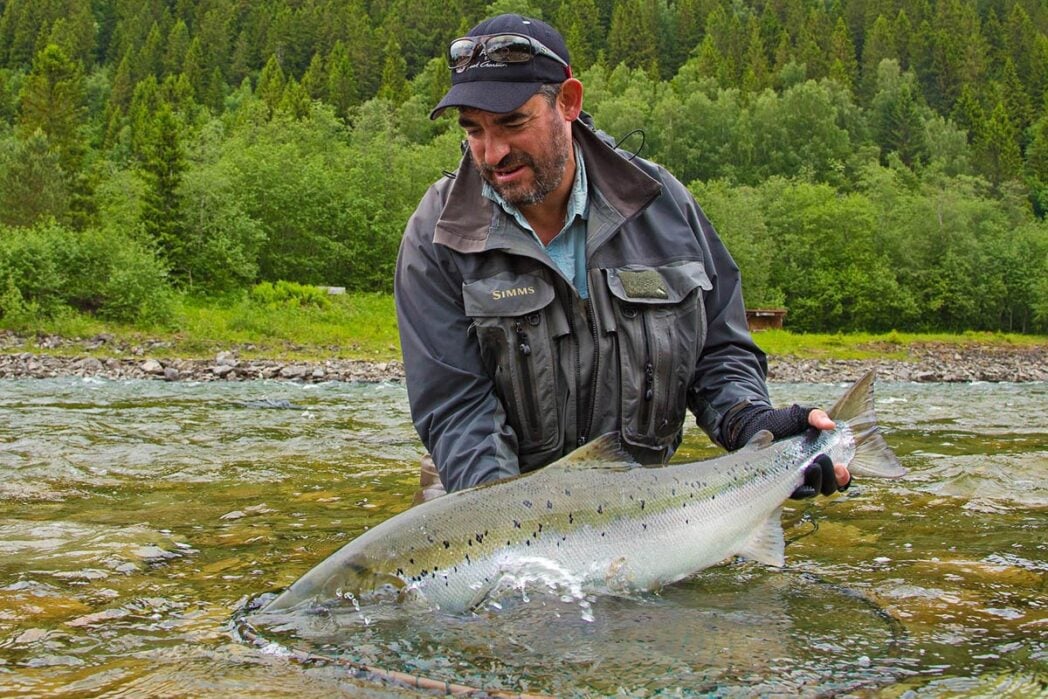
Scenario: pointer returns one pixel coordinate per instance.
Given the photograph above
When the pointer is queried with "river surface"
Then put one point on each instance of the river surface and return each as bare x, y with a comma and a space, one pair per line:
139, 519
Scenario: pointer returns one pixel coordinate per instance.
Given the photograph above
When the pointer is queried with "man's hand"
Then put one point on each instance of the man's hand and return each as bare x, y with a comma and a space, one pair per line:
818, 419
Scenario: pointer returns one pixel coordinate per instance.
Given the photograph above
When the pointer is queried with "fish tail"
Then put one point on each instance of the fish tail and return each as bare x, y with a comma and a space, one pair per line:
873, 456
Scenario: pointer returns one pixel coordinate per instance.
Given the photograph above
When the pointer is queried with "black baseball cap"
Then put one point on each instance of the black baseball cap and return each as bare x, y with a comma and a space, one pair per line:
503, 87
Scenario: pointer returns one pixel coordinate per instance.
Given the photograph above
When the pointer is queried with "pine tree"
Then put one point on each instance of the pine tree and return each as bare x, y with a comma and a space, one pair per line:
342, 90
314, 81
271, 84
577, 20
968, 112
632, 37
997, 147
879, 45
150, 58
162, 216
756, 75
896, 115
843, 64
296, 102
1016, 101
53, 102
394, 86
176, 49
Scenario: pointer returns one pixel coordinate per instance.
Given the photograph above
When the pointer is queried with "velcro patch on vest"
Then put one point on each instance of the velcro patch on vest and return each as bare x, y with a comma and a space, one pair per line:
643, 284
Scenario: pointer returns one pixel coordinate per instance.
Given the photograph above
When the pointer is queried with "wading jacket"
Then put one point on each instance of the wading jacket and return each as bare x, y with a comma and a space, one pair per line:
508, 368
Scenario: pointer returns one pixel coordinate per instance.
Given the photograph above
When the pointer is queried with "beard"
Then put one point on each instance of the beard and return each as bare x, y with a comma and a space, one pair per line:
547, 170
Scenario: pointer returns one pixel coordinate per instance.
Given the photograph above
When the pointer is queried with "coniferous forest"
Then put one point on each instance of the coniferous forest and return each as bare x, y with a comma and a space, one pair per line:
871, 164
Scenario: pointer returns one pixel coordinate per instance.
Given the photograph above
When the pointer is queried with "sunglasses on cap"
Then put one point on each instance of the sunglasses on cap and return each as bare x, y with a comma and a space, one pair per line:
500, 48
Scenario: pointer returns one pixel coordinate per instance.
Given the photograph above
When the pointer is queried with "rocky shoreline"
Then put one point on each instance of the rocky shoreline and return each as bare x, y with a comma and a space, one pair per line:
104, 357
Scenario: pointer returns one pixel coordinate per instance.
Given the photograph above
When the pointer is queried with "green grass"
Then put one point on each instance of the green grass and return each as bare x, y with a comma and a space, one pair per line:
351, 326
363, 326
893, 345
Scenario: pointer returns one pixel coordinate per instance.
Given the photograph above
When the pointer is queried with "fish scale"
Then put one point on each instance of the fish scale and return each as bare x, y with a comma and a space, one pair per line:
597, 517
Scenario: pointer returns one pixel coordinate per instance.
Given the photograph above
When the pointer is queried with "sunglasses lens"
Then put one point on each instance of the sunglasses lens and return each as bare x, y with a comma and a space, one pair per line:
508, 48
461, 52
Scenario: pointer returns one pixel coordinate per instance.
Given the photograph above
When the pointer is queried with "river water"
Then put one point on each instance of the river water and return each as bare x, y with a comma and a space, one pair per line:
138, 520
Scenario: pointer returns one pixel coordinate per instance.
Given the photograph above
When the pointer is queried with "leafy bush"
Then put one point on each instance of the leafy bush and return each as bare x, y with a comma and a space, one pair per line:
284, 293
49, 269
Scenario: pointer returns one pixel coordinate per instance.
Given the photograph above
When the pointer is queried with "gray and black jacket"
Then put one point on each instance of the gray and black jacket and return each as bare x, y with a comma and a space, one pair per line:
508, 369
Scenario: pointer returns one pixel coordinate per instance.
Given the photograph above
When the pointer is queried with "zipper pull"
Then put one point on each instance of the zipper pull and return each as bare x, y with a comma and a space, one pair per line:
649, 381
522, 339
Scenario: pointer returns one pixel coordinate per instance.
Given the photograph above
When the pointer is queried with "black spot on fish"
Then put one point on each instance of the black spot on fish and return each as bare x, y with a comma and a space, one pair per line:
447, 544
516, 524
527, 542
567, 492
480, 538
644, 525
411, 561
571, 518
467, 559
400, 572
469, 542
642, 504
600, 509
549, 504
527, 503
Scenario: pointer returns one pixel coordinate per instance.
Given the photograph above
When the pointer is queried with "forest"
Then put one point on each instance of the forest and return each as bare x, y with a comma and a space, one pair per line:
872, 165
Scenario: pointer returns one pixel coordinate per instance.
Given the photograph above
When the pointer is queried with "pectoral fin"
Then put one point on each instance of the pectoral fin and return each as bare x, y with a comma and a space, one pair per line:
767, 544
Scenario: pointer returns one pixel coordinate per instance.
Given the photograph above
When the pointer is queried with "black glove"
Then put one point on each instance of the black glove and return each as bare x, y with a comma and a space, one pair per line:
819, 477
781, 422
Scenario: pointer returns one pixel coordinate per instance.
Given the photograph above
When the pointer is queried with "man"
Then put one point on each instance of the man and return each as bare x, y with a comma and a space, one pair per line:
555, 289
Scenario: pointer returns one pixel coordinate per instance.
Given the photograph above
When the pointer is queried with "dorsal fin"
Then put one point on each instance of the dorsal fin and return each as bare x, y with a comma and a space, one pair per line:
603, 452
762, 439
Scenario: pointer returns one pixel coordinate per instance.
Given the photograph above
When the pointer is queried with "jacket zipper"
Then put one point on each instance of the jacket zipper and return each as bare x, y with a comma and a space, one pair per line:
649, 374
524, 347
583, 412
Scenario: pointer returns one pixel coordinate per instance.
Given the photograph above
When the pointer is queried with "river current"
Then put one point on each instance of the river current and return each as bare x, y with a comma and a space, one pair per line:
140, 519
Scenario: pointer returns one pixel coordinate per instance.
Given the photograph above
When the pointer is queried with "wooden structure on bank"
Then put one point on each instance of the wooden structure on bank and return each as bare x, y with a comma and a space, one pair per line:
765, 318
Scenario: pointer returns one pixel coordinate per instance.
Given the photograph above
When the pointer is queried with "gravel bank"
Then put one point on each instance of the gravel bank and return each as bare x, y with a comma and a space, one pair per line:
102, 356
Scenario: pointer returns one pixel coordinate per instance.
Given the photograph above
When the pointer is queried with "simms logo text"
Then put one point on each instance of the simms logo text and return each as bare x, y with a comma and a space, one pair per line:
500, 294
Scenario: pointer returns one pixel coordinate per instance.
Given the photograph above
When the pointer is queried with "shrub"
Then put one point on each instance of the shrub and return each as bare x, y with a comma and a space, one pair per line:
284, 293
48, 269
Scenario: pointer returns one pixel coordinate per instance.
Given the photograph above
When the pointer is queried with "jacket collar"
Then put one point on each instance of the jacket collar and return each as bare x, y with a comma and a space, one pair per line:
468, 218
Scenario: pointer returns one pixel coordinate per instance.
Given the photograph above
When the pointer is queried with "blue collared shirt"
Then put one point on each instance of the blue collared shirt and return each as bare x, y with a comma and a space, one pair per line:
567, 250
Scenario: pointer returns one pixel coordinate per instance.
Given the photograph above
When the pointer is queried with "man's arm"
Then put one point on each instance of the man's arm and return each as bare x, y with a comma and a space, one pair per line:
731, 370
453, 403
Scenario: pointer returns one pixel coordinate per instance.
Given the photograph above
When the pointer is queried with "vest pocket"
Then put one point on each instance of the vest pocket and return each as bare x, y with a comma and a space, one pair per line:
660, 327
516, 321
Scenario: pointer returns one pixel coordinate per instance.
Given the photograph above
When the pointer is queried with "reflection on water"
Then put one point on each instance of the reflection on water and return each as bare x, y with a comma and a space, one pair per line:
137, 517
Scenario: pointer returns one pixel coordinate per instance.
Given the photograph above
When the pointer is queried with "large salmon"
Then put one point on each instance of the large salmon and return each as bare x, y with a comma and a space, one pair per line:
599, 518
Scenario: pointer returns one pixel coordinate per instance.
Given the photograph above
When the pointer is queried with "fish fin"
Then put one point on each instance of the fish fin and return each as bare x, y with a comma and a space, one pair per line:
604, 452
762, 439
767, 544
856, 401
873, 456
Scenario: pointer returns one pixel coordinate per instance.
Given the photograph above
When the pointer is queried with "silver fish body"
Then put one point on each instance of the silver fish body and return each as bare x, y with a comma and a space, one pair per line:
599, 519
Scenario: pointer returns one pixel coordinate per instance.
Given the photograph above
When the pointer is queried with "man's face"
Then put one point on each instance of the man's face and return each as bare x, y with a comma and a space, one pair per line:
522, 154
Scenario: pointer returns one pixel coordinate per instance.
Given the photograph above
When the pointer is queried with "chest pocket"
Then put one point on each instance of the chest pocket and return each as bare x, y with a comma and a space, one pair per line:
517, 322
660, 326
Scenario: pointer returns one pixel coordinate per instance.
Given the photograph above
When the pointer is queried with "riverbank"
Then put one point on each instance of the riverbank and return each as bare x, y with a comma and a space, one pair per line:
106, 357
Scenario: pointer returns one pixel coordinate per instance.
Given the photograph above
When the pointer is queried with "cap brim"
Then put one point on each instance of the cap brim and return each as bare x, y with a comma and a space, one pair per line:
487, 95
